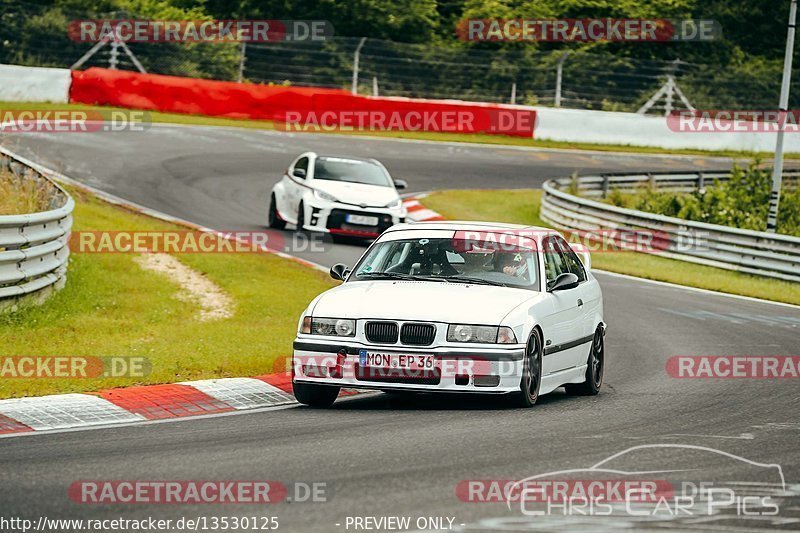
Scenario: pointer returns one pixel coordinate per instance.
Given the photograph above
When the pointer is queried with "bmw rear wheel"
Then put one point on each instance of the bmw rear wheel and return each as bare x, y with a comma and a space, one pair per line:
594, 368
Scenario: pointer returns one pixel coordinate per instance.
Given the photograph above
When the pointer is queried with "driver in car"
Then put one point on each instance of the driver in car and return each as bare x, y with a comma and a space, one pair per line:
426, 258
513, 264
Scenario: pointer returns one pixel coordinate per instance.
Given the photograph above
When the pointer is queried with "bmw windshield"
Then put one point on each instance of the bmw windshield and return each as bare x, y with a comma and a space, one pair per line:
456, 260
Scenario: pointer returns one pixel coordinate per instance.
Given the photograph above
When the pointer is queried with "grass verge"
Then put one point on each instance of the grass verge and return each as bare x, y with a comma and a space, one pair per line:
522, 207
112, 307
18, 197
501, 140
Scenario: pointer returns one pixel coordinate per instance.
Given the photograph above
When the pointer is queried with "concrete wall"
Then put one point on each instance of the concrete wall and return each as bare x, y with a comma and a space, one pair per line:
34, 84
578, 125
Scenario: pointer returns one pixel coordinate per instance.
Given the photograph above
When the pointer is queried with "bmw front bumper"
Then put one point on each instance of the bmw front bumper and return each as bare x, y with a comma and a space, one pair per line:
480, 369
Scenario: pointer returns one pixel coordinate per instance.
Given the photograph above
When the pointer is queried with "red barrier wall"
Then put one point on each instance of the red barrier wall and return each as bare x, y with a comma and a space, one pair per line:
306, 105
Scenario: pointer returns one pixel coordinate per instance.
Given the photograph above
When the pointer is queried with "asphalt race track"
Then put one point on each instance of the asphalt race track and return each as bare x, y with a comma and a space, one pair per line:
221, 177
385, 455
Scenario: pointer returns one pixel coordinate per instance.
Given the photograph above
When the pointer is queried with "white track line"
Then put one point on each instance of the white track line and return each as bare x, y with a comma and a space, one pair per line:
696, 289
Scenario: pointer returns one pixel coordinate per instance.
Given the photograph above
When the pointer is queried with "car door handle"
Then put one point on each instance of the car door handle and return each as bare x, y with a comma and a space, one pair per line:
580, 302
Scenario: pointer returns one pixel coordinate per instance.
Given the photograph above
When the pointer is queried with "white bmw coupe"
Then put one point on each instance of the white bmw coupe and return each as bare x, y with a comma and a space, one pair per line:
455, 307
343, 196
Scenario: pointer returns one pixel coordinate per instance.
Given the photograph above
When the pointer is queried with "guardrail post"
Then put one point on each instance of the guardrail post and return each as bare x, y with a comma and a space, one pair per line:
606, 185
652, 181
701, 181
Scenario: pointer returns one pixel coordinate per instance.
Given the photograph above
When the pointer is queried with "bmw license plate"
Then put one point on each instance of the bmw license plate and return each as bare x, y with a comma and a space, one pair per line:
399, 361
361, 220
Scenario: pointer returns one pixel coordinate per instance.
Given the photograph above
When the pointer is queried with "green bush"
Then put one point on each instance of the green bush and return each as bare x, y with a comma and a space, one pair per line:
741, 202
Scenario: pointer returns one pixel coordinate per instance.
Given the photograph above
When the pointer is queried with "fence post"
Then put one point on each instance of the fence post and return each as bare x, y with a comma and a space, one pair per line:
354, 89
670, 95
513, 93
559, 76
242, 55
374, 86
113, 56
786, 82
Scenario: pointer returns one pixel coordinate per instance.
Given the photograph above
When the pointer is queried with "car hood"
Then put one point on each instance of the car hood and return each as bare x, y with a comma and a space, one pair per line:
357, 193
421, 300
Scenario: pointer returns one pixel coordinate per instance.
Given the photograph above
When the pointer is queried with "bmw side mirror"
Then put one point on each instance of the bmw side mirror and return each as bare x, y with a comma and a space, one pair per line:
339, 271
400, 184
565, 281
299, 173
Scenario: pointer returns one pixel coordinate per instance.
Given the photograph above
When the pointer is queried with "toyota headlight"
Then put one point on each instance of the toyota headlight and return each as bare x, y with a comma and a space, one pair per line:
482, 334
394, 204
324, 196
336, 327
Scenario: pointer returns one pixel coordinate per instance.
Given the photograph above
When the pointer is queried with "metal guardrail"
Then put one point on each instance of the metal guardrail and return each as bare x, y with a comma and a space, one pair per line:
752, 252
34, 247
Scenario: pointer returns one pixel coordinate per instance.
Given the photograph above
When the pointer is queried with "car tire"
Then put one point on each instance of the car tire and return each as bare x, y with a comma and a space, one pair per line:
301, 217
275, 220
315, 395
531, 379
594, 369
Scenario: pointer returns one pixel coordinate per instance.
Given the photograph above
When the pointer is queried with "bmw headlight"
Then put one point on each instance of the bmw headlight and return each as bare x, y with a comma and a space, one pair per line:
482, 334
394, 204
336, 327
324, 196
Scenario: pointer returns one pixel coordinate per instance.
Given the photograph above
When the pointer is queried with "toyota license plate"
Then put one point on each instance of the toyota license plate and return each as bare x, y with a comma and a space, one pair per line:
400, 361
361, 220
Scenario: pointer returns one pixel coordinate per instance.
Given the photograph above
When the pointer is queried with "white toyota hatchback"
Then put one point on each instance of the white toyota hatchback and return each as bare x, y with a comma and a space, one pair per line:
455, 307
343, 196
